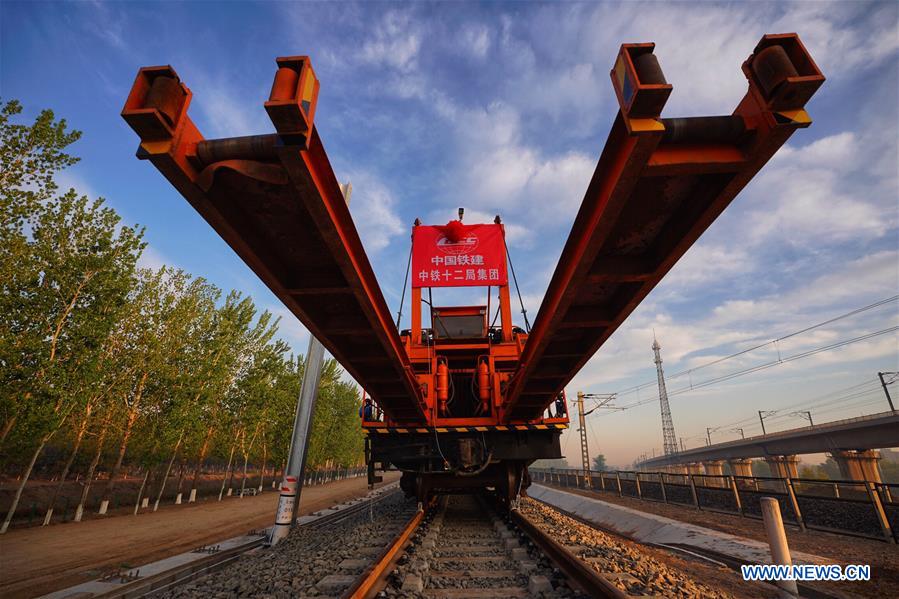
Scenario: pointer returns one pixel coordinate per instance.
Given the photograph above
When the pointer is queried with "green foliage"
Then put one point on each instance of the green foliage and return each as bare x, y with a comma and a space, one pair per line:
30, 155
559, 464
151, 363
599, 463
336, 433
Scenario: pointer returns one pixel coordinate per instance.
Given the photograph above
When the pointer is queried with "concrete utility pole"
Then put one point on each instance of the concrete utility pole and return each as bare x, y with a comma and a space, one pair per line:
885, 390
294, 472
603, 400
582, 428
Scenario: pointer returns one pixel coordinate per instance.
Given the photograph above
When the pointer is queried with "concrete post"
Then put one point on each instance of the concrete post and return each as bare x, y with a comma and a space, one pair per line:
791, 494
777, 541
878, 509
733, 486
741, 466
693, 492
637, 479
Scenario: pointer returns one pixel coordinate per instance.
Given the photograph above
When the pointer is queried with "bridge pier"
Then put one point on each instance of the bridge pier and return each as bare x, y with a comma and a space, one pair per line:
783, 466
741, 466
715, 468
858, 465
694, 468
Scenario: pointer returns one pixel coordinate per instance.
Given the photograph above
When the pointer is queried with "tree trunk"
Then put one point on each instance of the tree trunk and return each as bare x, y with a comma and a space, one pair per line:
243, 482
180, 482
140, 491
200, 459
262, 471
25, 476
168, 469
123, 446
65, 471
89, 478
225, 476
7, 426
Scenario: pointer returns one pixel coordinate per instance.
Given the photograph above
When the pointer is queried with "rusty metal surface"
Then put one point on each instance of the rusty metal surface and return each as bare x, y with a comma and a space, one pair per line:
276, 202
658, 185
654, 192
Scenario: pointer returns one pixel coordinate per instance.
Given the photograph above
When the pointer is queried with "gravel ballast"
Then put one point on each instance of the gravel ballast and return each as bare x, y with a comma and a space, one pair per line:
311, 561
623, 563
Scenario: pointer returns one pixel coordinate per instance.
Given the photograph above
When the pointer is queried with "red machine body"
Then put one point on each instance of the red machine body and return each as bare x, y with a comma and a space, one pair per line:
468, 399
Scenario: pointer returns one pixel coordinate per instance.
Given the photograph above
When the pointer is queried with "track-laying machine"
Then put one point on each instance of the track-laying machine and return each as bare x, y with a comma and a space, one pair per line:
464, 398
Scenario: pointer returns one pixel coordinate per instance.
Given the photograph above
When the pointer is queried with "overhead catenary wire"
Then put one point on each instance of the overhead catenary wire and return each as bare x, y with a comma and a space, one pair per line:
688, 371
766, 365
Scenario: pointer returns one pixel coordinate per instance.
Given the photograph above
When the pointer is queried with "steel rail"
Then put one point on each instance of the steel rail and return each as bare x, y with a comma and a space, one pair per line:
577, 571
370, 582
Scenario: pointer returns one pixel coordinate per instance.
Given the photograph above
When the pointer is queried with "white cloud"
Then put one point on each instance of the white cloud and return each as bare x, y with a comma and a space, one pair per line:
153, 259
374, 211
813, 195
227, 109
475, 39
395, 42
290, 329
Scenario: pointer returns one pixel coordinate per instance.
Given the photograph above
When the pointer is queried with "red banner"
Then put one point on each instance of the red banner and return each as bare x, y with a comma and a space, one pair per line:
458, 255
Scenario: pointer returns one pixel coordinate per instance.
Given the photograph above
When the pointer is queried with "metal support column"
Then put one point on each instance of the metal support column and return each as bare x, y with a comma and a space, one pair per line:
294, 473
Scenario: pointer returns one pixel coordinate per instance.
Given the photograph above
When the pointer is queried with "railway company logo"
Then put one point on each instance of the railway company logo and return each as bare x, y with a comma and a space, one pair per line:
466, 245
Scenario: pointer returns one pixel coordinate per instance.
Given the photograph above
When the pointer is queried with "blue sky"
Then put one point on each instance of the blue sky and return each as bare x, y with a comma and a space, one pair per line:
504, 108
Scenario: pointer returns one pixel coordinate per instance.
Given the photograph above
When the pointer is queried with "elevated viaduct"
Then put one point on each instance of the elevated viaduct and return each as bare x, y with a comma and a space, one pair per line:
853, 444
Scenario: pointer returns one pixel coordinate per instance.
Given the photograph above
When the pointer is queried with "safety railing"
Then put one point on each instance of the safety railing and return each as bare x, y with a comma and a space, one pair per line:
859, 508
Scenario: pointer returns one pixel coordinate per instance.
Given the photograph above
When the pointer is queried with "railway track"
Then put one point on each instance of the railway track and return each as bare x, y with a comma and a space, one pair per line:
464, 548
459, 546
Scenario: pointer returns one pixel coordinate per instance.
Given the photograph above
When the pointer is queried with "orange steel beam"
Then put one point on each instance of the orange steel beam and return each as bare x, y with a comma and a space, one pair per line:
276, 201
659, 184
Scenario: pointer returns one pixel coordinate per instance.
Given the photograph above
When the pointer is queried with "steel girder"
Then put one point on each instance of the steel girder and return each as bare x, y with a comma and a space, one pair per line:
659, 184
276, 201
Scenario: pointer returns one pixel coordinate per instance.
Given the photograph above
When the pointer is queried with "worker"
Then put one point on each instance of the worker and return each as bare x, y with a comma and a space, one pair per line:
560, 405
366, 411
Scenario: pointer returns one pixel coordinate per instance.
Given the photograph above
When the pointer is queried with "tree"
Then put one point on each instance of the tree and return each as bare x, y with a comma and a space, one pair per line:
74, 278
30, 155
599, 463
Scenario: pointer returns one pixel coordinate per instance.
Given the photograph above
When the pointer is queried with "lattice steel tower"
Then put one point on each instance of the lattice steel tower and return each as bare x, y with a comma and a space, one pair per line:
669, 439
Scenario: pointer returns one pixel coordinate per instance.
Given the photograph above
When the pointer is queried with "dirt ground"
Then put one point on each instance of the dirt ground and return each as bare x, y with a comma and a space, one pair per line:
842, 549
36, 561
